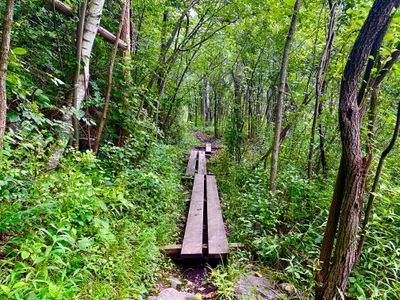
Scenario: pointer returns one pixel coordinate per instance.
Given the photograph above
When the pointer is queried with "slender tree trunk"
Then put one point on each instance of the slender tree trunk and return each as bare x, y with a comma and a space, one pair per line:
378, 174
281, 96
196, 105
126, 33
110, 80
68, 117
5, 49
351, 177
167, 119
64, 9
320, 79
237, 109
91, 25
169, 43
322, 145
206, 101
215, 112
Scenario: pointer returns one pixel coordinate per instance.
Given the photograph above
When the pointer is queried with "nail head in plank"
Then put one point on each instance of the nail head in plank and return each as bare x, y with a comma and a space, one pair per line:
192, 246
217, 240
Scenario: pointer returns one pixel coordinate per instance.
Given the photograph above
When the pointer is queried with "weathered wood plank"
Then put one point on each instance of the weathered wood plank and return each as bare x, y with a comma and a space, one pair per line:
174, 251
191, 166
217, 240
202, 167
192, 245
208, 148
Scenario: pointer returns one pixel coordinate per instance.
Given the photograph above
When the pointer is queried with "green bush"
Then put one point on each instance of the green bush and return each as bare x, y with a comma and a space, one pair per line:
86, 229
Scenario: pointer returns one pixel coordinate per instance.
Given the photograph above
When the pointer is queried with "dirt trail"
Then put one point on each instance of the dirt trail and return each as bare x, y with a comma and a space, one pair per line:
203, 138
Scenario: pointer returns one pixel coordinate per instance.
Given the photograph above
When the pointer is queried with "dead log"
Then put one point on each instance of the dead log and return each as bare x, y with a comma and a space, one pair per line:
64, 9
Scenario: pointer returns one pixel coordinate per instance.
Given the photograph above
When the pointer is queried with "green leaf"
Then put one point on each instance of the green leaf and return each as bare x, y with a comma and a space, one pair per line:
5, 289
84, 243
25, 254
19, 284
19, 51
13, 116
53, 290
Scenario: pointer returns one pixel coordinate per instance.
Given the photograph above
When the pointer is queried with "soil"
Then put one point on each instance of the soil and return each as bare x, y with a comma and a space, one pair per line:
191, 279
203, 138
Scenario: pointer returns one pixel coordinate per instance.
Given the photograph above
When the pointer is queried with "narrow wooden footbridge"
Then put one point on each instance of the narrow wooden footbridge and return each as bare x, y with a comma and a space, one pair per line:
205, 235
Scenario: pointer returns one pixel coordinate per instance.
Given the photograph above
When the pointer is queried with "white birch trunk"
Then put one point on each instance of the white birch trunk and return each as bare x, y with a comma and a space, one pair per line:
91, 25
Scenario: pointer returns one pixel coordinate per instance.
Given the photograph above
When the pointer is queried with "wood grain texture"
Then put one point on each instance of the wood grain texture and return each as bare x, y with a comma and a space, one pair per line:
191, 166
208, 148
192, 245
217, 240
202, 168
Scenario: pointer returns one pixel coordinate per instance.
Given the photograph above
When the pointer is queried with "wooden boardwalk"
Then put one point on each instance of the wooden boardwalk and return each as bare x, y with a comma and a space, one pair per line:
205, 234
191, 166
208, 148
192, 246
217, 240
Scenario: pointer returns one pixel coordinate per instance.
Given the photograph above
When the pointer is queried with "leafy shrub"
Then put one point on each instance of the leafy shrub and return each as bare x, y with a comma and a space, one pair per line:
85, 229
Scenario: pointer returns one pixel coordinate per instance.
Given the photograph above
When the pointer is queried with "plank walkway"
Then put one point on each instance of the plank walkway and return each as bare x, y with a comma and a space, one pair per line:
202, 167
205, 233
192, 246
217, 240
191, 166
208, 148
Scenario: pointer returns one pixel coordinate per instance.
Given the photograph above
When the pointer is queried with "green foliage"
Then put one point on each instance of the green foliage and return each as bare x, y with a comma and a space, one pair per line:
92, 228
285, 232
86, 229
225, 276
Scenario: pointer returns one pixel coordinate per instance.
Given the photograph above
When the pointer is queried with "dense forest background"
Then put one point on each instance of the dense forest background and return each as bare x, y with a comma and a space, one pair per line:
95, 130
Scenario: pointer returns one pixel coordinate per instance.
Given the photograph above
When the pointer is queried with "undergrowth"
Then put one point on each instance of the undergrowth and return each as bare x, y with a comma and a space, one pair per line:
92, 228
285, 231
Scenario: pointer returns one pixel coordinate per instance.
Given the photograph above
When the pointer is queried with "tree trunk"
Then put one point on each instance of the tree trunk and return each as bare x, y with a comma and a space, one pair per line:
322, 145
90, 27
68, 11
215, 112
319, 84
68, 117
378, 174
167, 119
351, 177
109, 82
92, 22
281, 96
5, 49
206, 101
126, 33
237, 109
167, 45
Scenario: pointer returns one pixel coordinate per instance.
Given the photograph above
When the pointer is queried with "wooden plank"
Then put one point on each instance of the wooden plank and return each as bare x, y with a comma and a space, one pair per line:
174, 251
192, 245
208, 148
191, 166
202, 168
217, 240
